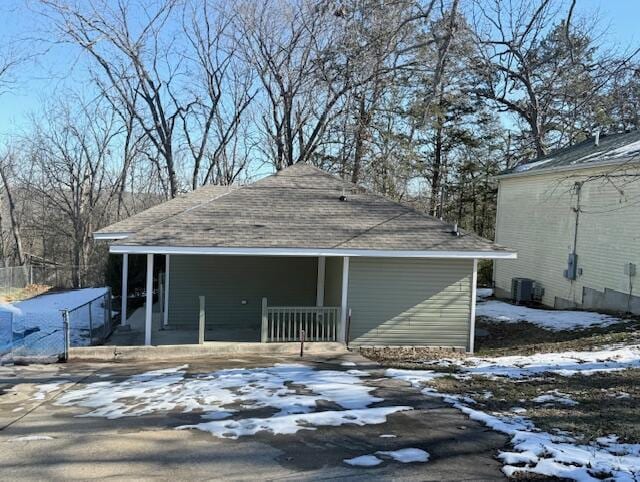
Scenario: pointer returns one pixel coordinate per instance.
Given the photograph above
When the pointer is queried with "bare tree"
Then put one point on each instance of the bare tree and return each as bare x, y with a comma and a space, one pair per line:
138, 64
542, 66
70, 150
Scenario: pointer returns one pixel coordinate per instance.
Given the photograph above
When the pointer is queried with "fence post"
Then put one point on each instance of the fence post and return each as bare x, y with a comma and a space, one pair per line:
161, 297
66, 334
90, 325
265, 322
201, 322
109, 312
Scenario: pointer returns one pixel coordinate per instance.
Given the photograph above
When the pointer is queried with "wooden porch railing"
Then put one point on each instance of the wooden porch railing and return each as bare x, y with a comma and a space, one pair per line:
286, 323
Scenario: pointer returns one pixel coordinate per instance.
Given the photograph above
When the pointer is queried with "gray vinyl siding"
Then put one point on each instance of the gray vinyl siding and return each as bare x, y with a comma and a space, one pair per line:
410, 301
227, 280
333, 281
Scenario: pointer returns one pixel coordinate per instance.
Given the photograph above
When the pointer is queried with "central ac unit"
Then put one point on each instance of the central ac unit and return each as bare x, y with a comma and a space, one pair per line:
522, 290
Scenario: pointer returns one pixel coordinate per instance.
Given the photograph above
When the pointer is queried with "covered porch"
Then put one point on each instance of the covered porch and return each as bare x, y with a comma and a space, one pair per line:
195, 299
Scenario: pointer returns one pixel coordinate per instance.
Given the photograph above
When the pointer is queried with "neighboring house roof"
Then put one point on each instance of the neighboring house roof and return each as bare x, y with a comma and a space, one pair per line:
160, 212
611, 149
300, 208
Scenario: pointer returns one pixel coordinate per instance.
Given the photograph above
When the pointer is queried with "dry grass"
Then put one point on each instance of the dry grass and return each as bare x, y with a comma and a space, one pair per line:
515, 338
19, 294
608, 403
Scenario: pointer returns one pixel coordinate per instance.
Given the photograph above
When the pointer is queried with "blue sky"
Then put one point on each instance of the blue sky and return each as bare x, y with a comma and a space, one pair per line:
61, 67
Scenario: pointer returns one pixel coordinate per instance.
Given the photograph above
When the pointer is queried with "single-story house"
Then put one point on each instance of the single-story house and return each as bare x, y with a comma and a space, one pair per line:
305, 250
574, 218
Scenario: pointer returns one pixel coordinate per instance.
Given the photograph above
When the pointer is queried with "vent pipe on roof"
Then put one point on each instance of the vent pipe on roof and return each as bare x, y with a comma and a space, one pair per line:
597, 138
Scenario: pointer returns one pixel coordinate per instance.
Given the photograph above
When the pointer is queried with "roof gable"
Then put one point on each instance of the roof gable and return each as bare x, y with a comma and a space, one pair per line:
300, 207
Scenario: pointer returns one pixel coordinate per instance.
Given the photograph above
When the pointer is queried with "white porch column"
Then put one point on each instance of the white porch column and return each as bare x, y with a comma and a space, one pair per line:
320, 283
472, 318
165, 320
343, 303
148, 312
124, 289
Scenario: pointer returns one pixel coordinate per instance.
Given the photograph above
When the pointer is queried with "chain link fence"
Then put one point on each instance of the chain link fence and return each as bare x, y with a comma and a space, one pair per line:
45, 327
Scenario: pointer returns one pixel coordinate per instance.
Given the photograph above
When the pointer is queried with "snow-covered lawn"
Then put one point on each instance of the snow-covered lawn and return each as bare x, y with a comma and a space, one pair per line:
534, 450
291, 391
554, 320
566, 363
36, 325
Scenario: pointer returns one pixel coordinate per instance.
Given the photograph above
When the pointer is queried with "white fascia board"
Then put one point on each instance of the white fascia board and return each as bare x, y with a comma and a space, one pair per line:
370, 253
107, 236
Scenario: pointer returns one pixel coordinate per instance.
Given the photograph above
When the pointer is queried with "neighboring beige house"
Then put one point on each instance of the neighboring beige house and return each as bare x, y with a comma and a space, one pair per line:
303, 250
573, 216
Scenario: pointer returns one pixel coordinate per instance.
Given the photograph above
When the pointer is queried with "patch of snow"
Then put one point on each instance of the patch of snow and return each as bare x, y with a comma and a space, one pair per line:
630, 149
518, 410
291, 390
555, 320
348, 364
163, 390
30, 438
531, 165
406, 456
484, 292
414, 377
555, 397
290, 424
363, 461
564, 363
46, 388
387, 435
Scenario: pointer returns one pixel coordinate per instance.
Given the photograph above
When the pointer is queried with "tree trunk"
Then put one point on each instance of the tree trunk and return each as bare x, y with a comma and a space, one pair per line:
13, 216
359, 144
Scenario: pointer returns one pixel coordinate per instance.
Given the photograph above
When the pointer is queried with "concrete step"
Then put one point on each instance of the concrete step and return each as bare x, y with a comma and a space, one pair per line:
208, 349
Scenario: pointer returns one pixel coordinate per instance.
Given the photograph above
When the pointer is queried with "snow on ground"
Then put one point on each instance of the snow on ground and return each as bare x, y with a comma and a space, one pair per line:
554, 320
404, 456
564, 363
555, 397
222, 394
30, 438
46, 388
484, 292
36, 325
364, 461
548, 454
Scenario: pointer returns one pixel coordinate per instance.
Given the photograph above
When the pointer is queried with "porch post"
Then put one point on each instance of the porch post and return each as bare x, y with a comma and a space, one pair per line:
149, 301
343, 305
165, 320
124, 289
320, 282
472, 318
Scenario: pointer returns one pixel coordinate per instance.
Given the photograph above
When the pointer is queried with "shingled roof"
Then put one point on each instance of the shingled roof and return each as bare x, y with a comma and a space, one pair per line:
160, 212
301, 207
610, 149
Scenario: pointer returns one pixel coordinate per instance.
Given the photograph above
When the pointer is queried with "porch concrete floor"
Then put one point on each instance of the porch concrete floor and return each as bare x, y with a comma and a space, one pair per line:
171, 336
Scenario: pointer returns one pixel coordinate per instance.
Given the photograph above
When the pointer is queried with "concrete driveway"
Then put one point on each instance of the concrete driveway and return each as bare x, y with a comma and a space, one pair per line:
42, 439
